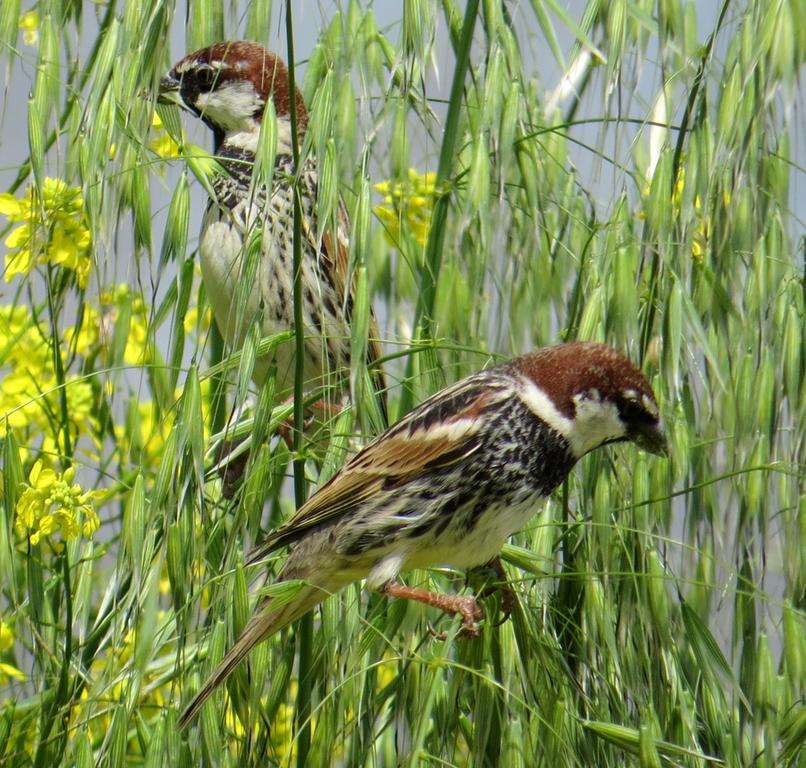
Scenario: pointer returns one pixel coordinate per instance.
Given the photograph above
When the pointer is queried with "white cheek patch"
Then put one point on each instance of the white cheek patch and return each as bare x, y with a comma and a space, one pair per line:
231, 106
596, 422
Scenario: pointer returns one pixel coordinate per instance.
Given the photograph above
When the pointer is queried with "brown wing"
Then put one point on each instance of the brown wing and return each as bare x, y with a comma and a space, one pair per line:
442, 430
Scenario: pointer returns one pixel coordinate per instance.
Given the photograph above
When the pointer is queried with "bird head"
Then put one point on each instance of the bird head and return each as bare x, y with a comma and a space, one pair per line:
228, 84
591, 395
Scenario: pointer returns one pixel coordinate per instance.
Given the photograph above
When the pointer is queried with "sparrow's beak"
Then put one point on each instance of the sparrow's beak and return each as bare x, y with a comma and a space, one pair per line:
169, 90
651, 438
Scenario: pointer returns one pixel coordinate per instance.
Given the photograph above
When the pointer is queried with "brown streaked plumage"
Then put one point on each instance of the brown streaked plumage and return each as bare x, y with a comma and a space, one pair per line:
452, 480
227, 85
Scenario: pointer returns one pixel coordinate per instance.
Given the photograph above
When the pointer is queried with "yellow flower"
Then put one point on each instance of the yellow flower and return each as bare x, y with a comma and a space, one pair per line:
53, 229
18, 406
50, 503
15, 324
83, 340
197, 322
30, 396
679, 186
29, 24
7, 671
98, 326
30, 401
407, 206
701, 237
6, 636
162, 145
702, 234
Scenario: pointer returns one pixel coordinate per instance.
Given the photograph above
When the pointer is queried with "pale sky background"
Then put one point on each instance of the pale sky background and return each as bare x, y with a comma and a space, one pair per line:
311, 18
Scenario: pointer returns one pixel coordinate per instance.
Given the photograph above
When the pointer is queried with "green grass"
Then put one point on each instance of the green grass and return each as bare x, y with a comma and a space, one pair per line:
651, 198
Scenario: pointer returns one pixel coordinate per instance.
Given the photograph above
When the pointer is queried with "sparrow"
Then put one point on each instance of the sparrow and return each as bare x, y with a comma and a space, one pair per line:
227, 86
449, 482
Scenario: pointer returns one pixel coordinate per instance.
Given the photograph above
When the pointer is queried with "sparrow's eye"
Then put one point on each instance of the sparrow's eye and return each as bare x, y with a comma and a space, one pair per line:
206, 77
632, 411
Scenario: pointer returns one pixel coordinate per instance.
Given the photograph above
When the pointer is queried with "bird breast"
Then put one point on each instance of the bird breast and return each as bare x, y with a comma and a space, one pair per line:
246, 283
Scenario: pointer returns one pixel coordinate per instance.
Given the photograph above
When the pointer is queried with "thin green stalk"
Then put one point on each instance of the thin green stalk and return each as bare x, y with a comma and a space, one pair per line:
52, 716
58, 368
218, 405
305, 624
423, 317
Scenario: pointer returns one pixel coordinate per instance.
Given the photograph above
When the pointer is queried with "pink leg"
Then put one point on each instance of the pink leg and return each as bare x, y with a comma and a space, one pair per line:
285, 428
465, 605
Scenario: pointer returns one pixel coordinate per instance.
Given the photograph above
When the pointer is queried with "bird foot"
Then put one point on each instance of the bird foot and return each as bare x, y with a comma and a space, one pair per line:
286, 428
465, 605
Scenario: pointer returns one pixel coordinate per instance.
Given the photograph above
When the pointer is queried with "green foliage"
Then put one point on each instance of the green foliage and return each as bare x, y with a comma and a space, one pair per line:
626, 172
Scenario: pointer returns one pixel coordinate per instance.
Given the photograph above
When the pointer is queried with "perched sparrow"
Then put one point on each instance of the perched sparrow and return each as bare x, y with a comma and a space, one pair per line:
452, 480
228, 85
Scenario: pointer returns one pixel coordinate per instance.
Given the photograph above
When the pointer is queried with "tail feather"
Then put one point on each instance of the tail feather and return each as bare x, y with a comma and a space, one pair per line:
263, 624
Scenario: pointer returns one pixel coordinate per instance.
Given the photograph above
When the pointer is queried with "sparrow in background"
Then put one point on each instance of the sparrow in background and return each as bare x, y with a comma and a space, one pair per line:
228, 86
451, 481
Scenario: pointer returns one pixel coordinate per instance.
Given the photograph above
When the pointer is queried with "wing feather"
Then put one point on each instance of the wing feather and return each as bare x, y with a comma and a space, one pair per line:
439, 432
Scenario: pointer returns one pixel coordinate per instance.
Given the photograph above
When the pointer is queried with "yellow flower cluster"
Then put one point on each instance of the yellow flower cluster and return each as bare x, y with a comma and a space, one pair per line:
53, 229
51, 502
29, 397
407, 206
